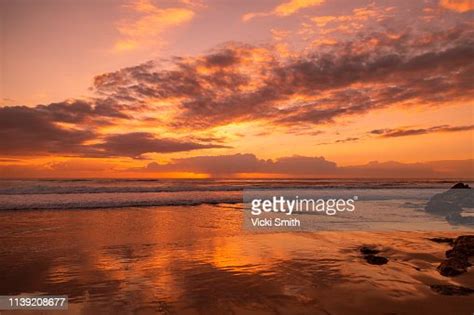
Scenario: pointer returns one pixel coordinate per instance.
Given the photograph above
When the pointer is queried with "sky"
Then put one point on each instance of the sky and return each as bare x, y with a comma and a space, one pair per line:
283, 88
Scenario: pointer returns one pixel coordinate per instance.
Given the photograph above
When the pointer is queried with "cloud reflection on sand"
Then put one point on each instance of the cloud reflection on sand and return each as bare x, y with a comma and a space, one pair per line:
198, 260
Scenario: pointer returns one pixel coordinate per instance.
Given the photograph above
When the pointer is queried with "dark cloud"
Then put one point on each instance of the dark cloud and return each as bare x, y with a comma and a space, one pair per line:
9, 160
33, 131
38, 131
80, 111
224, 58
137, 143
246, 163
209, 138
350, 139
184, 80
301, 165
402, 132
426, 78
394, 169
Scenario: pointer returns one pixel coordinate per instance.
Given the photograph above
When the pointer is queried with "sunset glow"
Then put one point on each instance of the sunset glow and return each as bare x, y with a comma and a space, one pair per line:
198, 89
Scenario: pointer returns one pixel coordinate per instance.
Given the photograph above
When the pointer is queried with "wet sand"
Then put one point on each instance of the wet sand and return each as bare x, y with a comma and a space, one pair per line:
198, 260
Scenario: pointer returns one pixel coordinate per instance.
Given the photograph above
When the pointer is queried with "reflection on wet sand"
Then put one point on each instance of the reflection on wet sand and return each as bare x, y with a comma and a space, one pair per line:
198, 260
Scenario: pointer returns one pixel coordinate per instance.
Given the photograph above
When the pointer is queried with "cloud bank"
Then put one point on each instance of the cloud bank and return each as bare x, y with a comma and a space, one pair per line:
247, 165
301, 166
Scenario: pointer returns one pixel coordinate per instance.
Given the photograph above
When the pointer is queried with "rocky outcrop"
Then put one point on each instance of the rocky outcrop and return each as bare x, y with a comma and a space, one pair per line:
463, 247
457, 218
451, 204
461, 186
376, 260
370, 256
457, 259
453, 267
366, 250
448, 289
448, 240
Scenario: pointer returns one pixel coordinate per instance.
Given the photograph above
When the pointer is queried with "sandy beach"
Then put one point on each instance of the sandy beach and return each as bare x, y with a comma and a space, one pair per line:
198, 260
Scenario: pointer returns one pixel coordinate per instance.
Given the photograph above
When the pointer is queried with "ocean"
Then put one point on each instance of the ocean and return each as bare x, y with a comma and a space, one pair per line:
115, 193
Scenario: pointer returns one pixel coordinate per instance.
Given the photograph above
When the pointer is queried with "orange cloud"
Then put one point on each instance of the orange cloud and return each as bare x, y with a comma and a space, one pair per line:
353, 21
257, 84
322, 21
293, 6
285, 9
458, 5
278, 34
152, 22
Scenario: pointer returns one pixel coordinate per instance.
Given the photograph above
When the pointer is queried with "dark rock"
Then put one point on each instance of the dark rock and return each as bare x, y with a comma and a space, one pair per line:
442, 207
376, 260
366, 250
456, 218
369, 254
453, 267
461, 186
448, 289
457, 261
448, 240
451, 201
463, 246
